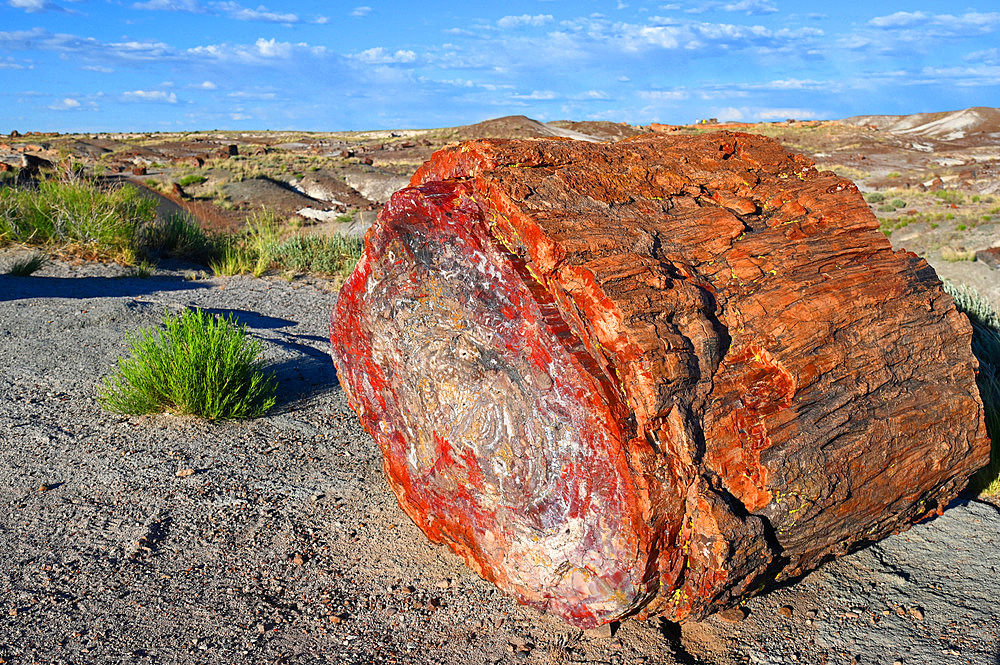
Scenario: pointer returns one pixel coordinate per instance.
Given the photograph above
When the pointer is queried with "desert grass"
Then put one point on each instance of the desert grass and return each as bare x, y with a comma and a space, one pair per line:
27, 265
264, 245
75, 212
986, 348
198, 364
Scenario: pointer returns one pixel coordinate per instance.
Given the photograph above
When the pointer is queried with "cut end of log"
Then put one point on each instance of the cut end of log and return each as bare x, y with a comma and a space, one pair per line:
651, 376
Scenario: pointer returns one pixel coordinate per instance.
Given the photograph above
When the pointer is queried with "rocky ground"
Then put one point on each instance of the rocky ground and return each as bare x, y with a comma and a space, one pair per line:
171, 540
165, 539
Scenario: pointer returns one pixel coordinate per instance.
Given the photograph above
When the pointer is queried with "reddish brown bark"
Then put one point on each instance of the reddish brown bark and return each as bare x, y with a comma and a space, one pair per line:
652, 376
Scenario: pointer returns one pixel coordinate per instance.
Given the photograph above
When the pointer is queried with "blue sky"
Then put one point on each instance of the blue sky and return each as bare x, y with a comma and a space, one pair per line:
170, 65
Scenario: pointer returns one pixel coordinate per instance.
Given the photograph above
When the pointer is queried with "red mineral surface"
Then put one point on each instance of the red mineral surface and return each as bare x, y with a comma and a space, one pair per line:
655, 376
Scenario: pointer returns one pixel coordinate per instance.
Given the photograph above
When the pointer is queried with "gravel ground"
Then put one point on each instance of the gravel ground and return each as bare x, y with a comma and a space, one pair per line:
166, 539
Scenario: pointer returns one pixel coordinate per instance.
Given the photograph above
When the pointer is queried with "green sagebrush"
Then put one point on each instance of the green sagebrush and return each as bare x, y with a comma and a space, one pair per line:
986, 348
198, 364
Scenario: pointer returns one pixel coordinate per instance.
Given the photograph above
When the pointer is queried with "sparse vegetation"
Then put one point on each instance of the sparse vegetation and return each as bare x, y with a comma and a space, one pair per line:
875, 197
952, 254
76, 212
986, 348
27, 265
193, 179
950, 196
198, 364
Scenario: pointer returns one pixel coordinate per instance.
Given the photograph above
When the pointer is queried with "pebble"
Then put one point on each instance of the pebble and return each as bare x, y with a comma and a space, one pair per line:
602, 632
44, 488
733, 614
786, 611
298, 560
184, 473
916, 612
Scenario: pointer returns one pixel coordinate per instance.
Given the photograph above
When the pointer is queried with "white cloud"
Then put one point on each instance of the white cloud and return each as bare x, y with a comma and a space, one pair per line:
35, 6
192, 6
524, 19
262, 13
67, 104
262, 51
240, 116
206, 85
663, 95
97, 68
938, 24
149, 96
361, 11
381, 56
537, 95
987, 57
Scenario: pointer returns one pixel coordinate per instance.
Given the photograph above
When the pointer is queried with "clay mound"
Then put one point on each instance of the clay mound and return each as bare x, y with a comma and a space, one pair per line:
516, 127
978, 122
257, 193
599, 129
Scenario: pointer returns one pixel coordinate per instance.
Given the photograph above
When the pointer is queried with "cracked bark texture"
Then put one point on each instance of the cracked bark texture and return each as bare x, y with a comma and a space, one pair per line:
652, 377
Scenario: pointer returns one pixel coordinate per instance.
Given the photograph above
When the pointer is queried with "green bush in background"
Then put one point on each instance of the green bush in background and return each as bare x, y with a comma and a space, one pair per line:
986, 348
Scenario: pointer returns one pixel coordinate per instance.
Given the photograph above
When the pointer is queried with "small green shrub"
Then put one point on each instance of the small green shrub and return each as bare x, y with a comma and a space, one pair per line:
27, 265
193, 179
952, 255
894, 174
875, 197
975, 198
888, 207
898, 203
961, 227
986, 348
199, 364
950, 196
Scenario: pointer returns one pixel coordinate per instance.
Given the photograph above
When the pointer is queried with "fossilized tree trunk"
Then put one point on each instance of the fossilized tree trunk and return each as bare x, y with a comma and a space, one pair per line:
653, 376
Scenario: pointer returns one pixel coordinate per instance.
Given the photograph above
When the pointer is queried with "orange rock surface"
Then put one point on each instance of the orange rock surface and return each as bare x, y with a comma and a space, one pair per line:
653, 376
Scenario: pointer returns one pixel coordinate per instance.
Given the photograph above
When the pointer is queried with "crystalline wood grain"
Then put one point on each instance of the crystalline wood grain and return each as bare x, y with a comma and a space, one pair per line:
652, 376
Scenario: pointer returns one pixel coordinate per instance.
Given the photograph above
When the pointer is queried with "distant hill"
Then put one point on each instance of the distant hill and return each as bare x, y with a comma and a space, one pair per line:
977, 122
522, 127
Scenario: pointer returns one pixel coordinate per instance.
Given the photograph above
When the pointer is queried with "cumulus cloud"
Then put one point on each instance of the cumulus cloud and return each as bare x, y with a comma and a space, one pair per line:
524, 20
262, 13
260, 52
149, 96
206, 85
537, 95
361, 11
987, 57
192, 6
940, 24
748, 7
36, 6
663, 95
67, 104
382, 56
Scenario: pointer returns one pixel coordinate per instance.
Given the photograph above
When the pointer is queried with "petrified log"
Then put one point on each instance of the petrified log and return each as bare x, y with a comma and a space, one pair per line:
653, 376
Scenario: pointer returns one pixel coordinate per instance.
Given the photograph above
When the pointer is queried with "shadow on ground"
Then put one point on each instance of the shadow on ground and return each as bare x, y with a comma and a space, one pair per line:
23, 288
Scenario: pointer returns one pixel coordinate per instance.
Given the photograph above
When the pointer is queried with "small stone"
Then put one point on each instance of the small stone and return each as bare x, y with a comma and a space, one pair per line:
733, 614
44, 488
602, 632
13, 612
849, 615
184, 473
335, 619
916, 612
261, 628
812, 614
897, 662
786, 611
445, 583
298, 560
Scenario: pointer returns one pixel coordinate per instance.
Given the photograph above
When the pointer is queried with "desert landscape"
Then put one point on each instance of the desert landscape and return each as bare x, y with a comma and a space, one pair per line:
167, 539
